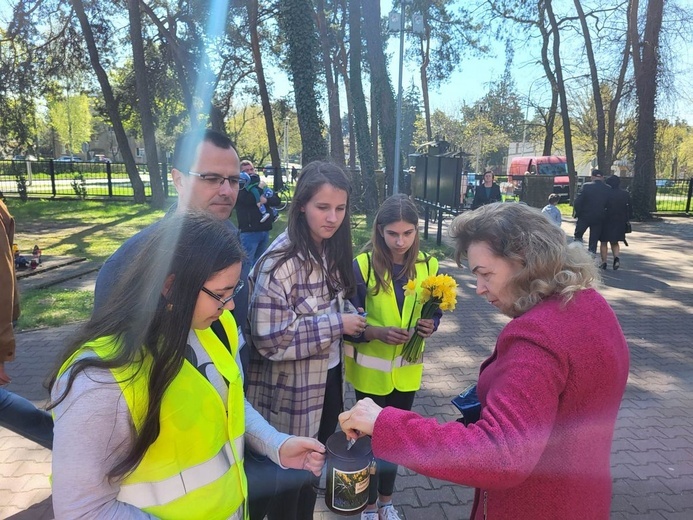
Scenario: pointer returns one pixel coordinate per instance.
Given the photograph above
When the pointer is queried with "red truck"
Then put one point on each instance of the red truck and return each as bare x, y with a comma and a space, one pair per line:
555, 165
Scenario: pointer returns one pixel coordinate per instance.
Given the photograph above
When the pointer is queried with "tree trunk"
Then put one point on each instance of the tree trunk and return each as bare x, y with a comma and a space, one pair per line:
425, 54
111, 104
296, 21
383, 99
363, 138
614, 102
645, 64
596, 92
546, 63
565, 118
144, 105
253, 10
336, 138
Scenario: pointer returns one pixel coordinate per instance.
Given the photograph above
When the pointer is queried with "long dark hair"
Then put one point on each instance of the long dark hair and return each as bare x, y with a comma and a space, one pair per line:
191, 247
394, 209
338, 249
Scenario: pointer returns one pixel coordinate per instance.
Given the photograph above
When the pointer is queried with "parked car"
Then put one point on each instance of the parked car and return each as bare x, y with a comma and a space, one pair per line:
69, 158
100, 158
664, 183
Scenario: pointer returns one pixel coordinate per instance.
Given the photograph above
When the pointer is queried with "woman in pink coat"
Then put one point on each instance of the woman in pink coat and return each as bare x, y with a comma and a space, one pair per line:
549, 392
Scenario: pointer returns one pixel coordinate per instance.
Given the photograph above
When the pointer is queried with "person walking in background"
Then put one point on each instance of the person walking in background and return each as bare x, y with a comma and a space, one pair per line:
150, 417
254, 230
618, 212
391, 258
549, 392
487, 192
551, 211
298, 313
590, 208
16, 413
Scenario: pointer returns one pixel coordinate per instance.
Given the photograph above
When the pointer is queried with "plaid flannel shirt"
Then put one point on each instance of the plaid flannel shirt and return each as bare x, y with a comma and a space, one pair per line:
293, 324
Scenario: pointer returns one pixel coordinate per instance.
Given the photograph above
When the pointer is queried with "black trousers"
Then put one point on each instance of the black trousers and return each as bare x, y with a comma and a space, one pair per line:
383, 482
595, 228
296, 495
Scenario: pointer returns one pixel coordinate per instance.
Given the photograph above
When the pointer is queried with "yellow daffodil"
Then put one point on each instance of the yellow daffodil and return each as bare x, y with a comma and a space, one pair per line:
437, 292
410, 288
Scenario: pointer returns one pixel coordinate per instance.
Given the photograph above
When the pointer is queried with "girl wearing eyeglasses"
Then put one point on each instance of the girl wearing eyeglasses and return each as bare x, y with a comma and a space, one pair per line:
150, 417
297, 313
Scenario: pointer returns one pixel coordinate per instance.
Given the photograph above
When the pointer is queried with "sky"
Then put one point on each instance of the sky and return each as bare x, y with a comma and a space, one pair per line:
472, 78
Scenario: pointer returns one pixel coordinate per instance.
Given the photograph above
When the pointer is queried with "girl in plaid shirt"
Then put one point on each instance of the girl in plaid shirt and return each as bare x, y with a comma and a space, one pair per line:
298, 312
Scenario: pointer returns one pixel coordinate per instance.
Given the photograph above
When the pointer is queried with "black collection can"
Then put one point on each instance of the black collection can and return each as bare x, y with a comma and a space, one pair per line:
348, 474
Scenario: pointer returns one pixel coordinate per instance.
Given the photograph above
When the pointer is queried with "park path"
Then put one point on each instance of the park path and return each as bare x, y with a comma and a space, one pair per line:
652, 457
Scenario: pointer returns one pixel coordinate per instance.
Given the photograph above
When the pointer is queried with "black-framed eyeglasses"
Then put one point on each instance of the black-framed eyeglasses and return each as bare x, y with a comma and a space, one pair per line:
224, 301
214, 180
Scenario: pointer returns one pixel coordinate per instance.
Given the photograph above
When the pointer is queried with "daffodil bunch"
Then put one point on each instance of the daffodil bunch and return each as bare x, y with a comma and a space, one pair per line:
437, 292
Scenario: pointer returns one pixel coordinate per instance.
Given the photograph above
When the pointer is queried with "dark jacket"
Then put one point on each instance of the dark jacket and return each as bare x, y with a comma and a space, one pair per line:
618, 211
480, 198
590, 204
248, 214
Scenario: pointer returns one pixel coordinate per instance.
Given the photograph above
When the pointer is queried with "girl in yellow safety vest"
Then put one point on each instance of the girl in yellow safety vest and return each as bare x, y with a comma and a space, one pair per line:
150, 417
373, 360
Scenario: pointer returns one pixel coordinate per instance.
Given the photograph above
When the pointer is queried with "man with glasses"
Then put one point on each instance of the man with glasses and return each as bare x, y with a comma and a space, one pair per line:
206, 174
254, 230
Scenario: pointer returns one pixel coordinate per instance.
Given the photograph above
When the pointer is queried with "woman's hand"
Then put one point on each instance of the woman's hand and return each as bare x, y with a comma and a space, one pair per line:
354, 325
303, 453
425, 327
389, 335
360, 420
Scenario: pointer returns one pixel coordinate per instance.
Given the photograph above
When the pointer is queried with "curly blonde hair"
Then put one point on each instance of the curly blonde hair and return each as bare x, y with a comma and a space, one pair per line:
517, 232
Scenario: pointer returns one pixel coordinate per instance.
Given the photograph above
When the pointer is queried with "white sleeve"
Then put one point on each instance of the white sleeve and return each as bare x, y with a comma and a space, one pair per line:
93, 430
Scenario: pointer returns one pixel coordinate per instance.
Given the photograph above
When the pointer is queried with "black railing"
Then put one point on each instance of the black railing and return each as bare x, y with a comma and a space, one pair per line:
65, 179
97, 180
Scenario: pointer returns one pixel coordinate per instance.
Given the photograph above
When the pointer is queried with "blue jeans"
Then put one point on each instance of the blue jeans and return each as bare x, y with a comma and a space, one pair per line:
254, 244
22, 417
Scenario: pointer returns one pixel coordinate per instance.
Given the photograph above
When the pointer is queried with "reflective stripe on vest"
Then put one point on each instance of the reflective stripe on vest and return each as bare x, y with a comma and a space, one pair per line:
375, 367
150, 494
376, 363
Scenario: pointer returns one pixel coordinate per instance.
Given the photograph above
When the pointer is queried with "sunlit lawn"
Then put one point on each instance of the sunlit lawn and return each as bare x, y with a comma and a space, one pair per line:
95, 229
90, 229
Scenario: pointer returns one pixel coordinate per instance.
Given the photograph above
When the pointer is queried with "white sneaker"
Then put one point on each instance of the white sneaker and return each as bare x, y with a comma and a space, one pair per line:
370, 515
265, 217
388, 512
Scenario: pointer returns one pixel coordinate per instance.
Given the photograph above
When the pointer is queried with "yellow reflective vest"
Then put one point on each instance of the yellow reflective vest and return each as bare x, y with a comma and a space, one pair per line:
194, 469
375, 367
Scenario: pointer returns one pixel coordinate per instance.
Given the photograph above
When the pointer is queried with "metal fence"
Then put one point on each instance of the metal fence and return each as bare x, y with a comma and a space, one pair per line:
96, 180
58, 179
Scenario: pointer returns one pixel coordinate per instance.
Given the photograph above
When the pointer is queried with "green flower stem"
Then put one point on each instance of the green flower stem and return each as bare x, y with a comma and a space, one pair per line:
413, 348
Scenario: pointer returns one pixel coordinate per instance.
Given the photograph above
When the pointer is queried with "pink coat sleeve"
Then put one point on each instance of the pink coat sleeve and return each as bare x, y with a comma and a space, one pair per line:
519, 393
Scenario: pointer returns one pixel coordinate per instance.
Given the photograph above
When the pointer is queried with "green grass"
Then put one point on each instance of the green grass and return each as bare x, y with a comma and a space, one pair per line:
54, 307
90, 229
95, 229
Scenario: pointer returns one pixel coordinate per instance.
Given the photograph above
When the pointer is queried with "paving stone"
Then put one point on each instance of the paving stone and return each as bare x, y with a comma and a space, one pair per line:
652, 453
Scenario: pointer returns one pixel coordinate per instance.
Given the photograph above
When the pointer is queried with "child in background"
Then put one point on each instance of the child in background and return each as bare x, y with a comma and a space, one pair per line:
259, 189
551, 211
